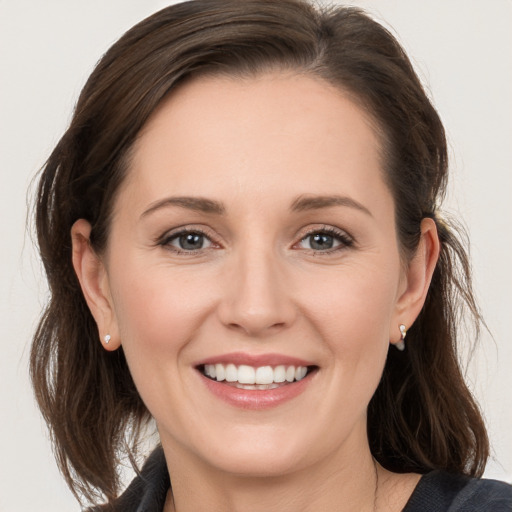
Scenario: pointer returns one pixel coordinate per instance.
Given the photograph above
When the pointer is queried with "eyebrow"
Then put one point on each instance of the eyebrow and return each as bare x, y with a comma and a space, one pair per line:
198, 204
301, 204
304, 203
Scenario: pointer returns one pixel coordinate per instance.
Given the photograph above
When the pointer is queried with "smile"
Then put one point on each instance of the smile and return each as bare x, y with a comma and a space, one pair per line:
256, 381
249, 377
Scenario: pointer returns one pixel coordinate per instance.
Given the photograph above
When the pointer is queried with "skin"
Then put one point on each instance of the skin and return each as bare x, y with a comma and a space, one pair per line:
259, 286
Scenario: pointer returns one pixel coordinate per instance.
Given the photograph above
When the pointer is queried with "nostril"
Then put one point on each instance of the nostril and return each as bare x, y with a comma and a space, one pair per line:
254, 327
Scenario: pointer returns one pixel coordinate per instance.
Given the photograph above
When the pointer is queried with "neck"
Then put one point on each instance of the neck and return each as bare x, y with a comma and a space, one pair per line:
335, 484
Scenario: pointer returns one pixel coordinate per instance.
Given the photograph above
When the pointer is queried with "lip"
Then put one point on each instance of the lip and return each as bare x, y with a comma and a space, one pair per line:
255, 399
255, 360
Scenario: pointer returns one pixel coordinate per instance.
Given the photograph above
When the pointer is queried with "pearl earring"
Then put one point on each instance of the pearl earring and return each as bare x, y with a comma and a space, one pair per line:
400, 345
106, 339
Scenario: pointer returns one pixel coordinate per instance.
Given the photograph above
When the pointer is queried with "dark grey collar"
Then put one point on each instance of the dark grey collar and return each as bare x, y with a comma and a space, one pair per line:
148, 491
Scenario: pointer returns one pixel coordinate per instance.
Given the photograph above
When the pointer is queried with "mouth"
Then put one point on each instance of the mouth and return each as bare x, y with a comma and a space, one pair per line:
256, 381
260, 378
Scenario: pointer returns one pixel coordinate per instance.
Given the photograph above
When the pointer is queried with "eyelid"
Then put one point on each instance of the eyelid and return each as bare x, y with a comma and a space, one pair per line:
165, 239
346, 240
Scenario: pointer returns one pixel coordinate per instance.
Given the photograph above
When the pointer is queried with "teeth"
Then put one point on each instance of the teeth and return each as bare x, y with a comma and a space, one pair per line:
279, 374
246, 375
300, 372
264, 375
231, 373
220, 372
249, 376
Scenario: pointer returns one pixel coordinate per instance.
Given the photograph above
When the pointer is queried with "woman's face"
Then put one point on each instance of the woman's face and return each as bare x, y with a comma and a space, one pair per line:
254, 233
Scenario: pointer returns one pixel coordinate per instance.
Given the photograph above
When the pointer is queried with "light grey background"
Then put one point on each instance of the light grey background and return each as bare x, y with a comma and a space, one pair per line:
462, 50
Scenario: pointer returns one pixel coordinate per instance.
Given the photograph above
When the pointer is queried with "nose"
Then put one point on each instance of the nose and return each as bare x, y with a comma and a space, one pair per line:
256, 300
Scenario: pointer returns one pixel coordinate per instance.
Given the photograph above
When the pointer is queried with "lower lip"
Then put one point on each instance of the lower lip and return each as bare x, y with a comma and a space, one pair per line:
256, 399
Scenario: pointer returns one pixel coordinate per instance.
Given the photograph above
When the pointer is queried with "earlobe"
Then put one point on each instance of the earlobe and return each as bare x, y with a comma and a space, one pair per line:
418, 277
93, 279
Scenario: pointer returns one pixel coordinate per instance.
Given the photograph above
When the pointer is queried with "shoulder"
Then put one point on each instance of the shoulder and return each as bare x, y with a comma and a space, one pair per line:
439, 491
148, 491
482, 495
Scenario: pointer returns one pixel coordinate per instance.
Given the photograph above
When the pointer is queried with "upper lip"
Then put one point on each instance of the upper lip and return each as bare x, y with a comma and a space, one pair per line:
255, 360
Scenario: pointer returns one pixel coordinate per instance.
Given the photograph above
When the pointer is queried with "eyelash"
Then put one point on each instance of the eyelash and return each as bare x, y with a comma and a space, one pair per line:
345, 240
165, 240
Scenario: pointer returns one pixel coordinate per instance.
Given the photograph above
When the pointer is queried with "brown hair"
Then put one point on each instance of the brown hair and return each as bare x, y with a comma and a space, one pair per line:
422, 416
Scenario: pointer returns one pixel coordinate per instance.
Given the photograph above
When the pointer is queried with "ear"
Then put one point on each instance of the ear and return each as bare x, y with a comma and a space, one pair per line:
93, 278
417, 279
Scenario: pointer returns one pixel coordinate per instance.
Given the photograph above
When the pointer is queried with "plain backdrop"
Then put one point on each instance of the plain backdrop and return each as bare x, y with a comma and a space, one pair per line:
462, 50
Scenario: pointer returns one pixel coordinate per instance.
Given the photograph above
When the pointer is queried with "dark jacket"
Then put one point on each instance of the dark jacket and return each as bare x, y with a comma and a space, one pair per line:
436, 492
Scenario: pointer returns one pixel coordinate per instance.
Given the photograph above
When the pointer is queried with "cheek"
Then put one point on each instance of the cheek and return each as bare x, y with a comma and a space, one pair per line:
157, 312
355, 307
353, 315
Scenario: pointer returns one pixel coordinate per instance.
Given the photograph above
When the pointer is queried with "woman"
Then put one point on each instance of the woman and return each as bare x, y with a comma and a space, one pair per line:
242, 239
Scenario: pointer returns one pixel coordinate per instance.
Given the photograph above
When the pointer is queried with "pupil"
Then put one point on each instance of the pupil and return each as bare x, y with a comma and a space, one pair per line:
322, 241
191, 241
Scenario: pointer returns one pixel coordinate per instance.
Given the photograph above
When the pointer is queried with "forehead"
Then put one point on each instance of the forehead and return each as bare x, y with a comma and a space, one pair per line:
258, 133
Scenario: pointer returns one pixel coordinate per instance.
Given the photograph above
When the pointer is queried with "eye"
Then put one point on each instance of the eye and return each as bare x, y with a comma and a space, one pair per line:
325, 240
187, 241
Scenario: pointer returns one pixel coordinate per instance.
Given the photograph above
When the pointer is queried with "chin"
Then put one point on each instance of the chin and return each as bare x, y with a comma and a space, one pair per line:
257, 464
259, 452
